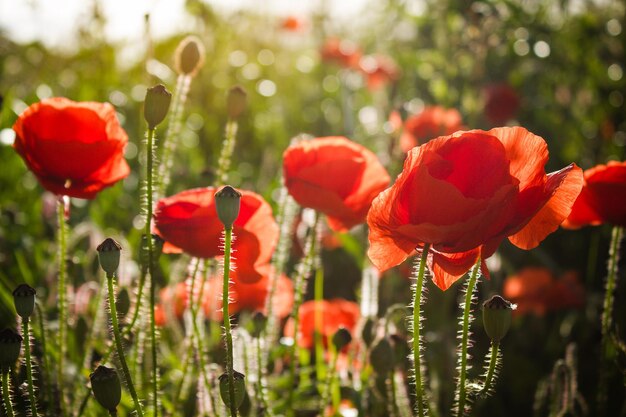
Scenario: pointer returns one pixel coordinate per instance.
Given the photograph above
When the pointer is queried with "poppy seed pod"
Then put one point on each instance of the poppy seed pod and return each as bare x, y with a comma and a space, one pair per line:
342, 338
10, 345
227, 203
106, 387
123, 301
24, 299
497, 317
156, 105
236, 102
381, 356
367, 332
259, 322
109, 255
189, 56
240, 388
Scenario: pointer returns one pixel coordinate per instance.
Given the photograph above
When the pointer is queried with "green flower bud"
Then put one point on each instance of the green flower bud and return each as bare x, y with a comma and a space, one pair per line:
227, 203
240, 388
236, 102
24, 299
156, 105
189, 56
259, 321
106, 387
497, 317
381, 356
109, 255
367, 333
10, 345
342, 338
123, 301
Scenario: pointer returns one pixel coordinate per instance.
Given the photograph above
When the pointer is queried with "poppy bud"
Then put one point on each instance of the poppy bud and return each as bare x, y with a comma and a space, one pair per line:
109, 255
106, 387
10, 345
240, 388
123, 301
342, 338
24, 299
236, 102
189, 56
381, 356
157, 248
497, 317
227, 202
156, 105
367, 333
259, 321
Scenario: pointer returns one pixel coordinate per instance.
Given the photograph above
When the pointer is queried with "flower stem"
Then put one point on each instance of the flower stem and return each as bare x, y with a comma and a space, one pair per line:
44, 355
493, 361
330, 376
317, 335
394, 397
417, 342
6, 395
29, 367
607, 316
149, 196
62, 255
461, 391
223, 164
260, 379
228, 235
120, 349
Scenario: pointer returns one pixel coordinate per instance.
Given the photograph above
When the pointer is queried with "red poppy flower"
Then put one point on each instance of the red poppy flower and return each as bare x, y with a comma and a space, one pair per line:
379, 70
501, 103
432, 122
464, 194
188, 222
292, 24
537, 290
344, 52
603, 198
334, 314
336, 176
74, 148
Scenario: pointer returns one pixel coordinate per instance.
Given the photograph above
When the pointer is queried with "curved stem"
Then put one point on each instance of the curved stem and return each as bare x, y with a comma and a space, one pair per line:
6, 395
417, 342
62, 246
228, 235
29, 367
394, 397
465, 325
120, 349
153, 343
493, 361
607, 315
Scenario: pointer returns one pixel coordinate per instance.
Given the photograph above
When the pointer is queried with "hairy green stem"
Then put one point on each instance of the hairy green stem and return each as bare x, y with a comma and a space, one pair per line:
493, 361
228, 235
317, 335
394, 397
461, 390
223, 164
260, 379
607, 316
118, 344
29, 367
330, 376
417, 350
147, 233
62, 247
44, 355
6, 395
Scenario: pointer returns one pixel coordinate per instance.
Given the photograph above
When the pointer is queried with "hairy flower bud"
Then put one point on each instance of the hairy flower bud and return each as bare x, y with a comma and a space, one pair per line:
109, 255
381, 356
367, 332
123, 301
341, 338
10, 345
24, 299
106, 387
240, 388
227, 203
189, 56
156, 105
259, 322
236, 102
497, 317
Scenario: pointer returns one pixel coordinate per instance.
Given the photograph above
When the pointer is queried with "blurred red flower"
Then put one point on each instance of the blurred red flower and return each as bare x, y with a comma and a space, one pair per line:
292, 24
188, 222
501, 103
341, 51
379, 70
430, 123
536, 290
603, 198
74, 148
464, 194
334, 314
243, 297
335, 176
